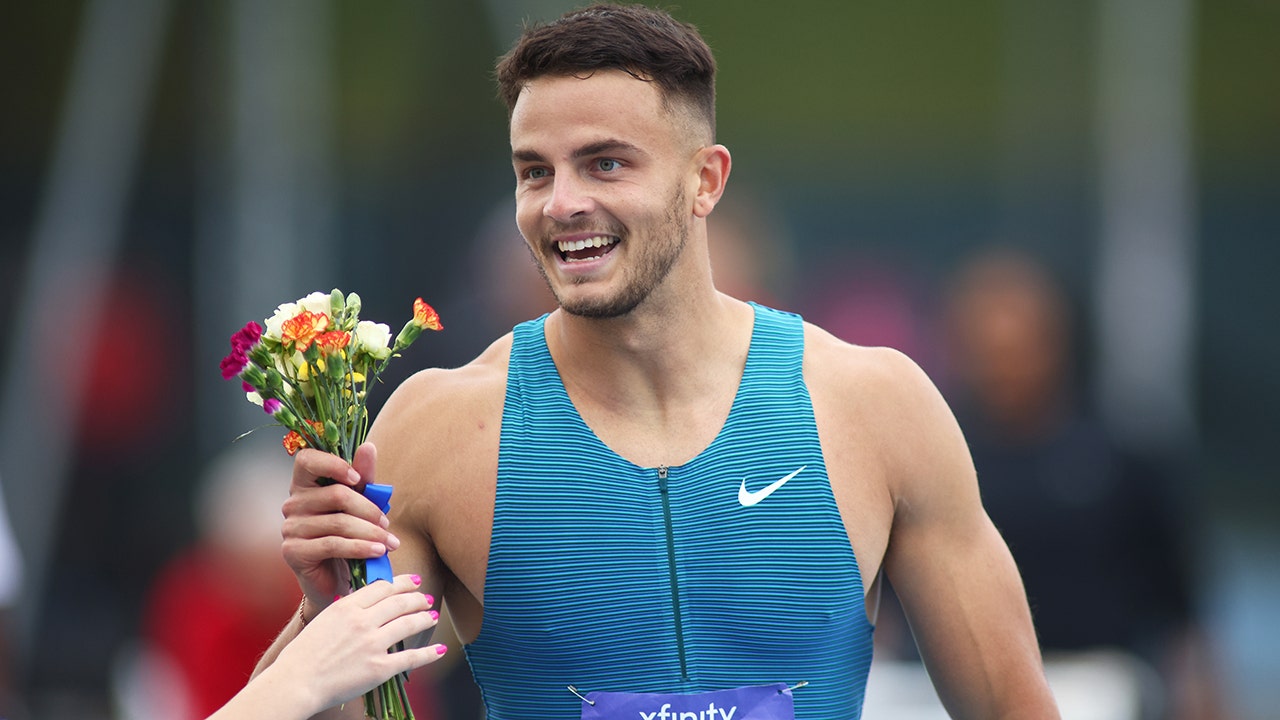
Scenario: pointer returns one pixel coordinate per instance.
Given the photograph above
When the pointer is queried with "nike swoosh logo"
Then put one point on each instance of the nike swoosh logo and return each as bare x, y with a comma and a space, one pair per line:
747, 499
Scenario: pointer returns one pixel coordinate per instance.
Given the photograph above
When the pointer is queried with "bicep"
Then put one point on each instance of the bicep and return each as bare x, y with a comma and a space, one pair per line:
398, 465
957, 582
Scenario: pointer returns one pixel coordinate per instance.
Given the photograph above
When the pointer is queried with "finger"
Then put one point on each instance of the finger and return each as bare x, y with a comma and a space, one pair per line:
365, 461
378, 591
333, 500
303, 528
405, 615
309, 465
402, 604
410, 658
407, 602
303, 554
406, 628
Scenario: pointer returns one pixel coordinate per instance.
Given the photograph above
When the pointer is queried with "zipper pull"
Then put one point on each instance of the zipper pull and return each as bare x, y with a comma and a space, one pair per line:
662, 472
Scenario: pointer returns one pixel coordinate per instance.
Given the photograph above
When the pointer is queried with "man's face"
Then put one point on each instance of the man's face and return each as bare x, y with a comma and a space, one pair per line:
603, 184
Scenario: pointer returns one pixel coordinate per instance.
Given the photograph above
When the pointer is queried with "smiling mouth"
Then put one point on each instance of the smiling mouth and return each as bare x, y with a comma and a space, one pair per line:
592, 248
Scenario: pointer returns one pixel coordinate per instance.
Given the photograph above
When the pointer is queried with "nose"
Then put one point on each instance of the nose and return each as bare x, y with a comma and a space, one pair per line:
569, 198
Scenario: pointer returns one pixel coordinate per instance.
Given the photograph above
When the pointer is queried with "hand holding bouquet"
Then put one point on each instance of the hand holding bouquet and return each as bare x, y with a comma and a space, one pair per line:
311, 369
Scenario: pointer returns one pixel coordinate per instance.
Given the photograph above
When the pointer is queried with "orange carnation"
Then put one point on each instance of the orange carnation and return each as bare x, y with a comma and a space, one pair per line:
333, 341
303, 328
425, 316
293, 442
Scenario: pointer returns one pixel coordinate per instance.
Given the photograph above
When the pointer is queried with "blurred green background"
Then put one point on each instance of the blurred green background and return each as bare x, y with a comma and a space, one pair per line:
265, 150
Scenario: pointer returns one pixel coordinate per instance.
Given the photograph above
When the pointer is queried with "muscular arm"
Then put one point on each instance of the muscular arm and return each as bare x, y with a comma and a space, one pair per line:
904, 481
953, 573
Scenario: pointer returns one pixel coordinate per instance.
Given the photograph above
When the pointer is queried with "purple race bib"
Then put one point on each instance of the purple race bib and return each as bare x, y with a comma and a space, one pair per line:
758, 702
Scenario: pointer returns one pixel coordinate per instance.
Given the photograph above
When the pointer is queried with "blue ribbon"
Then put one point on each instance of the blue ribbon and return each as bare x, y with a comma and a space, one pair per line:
378, 568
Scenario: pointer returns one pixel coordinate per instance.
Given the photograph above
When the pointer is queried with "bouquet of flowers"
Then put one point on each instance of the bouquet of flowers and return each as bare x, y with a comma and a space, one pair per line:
310, 369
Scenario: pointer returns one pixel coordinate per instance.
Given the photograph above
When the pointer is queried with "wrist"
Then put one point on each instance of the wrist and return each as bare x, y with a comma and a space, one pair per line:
306, 613
279, 694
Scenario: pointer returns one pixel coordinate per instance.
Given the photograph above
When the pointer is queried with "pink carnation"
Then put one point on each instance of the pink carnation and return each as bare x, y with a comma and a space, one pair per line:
233, 364
270, 406
243, 339
246, 337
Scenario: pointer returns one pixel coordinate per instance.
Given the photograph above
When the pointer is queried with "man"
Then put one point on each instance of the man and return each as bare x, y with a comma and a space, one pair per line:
658, 488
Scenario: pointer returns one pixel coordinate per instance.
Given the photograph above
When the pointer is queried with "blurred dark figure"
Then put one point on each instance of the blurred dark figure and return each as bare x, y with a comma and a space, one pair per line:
1102, 536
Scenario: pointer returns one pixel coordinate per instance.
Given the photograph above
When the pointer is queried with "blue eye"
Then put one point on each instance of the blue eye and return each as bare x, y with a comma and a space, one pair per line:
608, 164
536, 173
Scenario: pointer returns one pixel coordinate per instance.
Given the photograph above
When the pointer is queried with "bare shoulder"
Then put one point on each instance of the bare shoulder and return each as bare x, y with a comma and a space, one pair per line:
438, 416
882, 403
439, 395
878, 380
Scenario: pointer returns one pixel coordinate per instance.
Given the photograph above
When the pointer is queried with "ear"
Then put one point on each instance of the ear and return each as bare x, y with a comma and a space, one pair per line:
713, 164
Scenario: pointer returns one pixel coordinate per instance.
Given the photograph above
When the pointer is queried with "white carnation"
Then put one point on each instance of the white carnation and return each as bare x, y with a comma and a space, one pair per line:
317, 302
275, 323
373, 338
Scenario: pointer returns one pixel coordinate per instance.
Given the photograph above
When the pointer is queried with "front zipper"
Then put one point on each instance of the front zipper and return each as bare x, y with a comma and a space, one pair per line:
671, 567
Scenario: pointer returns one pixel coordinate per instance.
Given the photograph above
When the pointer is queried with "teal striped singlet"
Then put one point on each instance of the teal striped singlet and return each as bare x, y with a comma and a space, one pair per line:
609, 576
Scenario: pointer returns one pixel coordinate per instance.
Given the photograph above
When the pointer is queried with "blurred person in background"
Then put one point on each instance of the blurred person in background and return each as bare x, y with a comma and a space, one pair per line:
217, 604
869, 300
1101, 536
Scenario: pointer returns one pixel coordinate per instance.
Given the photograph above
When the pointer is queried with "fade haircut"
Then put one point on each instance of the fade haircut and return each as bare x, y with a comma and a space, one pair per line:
644, 42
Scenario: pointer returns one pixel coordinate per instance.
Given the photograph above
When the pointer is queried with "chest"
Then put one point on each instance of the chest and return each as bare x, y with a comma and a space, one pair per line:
698, 567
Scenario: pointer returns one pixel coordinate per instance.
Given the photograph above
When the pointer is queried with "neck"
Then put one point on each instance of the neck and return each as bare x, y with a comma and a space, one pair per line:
653, 356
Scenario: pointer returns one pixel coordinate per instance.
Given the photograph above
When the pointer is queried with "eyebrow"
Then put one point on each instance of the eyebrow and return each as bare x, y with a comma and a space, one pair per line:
604, 146
595, 148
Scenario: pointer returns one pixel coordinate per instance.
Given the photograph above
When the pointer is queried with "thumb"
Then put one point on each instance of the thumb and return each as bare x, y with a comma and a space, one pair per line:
365, 460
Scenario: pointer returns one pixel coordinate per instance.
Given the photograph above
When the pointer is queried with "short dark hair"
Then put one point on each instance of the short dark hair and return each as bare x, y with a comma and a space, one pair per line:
643, 41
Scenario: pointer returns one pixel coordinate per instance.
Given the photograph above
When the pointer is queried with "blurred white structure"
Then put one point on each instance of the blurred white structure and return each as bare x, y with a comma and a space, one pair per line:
1088, 686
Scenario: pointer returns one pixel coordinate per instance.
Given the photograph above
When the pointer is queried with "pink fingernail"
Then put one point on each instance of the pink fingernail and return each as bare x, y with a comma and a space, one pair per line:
440, 649
431, 600
336, 598
417, 579
434, 615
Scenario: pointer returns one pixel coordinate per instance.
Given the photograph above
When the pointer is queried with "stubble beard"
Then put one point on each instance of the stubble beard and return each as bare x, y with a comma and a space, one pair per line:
653, 262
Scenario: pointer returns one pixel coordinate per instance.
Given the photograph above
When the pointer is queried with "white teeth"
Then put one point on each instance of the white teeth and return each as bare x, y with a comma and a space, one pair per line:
597, 241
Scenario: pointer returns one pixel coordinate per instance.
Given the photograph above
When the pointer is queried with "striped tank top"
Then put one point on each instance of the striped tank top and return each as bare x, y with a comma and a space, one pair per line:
714, 574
